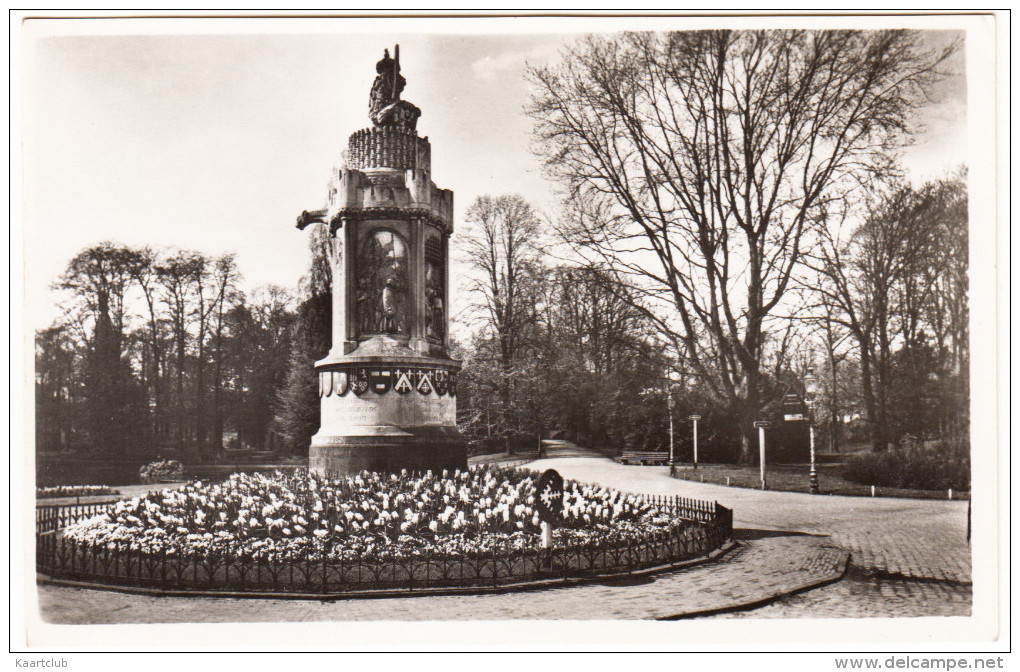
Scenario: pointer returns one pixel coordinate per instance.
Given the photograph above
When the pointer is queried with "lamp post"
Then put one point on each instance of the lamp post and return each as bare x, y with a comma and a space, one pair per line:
762, 425
669, 405
810, 387
694, 419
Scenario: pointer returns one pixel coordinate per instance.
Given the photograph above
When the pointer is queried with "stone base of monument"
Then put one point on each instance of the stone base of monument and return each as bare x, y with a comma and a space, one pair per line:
389, 449
386, 408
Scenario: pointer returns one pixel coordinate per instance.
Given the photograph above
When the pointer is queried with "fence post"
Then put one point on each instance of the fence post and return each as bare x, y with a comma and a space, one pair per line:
325, 583
968, 517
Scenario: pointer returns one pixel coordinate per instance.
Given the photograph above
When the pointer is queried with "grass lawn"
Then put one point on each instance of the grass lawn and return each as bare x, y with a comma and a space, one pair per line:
794, 478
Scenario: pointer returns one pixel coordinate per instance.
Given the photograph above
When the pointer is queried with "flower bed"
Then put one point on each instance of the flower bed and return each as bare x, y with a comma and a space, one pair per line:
74, 491
281, 517
302, 532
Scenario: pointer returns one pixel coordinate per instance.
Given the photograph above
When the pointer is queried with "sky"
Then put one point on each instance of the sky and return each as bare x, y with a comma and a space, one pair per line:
216, 142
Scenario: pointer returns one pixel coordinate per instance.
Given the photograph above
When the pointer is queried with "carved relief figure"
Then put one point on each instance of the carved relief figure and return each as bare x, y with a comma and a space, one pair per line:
364, 307
389, 308
382, 284
435, 315
438, 317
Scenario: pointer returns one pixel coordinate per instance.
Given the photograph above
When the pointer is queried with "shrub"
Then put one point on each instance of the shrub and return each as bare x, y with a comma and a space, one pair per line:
938, 467
162, 471
74, 491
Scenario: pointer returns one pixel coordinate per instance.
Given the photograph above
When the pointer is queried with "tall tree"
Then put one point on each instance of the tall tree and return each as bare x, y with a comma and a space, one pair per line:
261, 331
499, 244
144, 274
179, 276
56, 389
99, 278
297, 403
225, 277
699, 162
883, 278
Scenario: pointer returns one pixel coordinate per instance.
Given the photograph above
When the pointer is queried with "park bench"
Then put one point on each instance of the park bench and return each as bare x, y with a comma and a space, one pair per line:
644, 457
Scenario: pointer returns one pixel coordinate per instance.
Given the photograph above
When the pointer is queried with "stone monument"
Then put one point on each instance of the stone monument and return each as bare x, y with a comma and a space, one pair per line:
388, 386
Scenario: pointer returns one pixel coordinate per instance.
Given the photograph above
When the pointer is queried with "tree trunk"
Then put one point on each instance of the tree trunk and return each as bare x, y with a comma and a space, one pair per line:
870, 406
747, 447
181, 413
833, 404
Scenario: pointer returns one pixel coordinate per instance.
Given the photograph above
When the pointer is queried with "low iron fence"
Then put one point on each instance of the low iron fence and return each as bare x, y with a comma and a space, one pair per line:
54, 517
703, 527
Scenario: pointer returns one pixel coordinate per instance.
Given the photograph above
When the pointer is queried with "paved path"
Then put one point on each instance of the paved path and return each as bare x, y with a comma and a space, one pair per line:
909, 558
857, 596
887, 537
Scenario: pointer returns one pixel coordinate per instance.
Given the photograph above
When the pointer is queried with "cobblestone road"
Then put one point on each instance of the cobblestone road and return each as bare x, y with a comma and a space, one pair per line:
858, 596
905, 538
908, 558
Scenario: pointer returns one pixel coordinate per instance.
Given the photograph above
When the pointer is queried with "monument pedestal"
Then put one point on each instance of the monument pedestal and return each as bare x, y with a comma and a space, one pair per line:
432, 449
384, 411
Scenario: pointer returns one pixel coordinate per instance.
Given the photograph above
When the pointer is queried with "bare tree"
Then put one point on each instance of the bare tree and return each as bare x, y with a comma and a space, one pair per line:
882, 280
178, 277
225, 277
699, 162
144, 274
836, 343
499, 244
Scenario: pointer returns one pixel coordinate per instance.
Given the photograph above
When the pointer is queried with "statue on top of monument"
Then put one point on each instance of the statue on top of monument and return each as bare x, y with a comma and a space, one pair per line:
387, 85
385, 107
